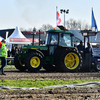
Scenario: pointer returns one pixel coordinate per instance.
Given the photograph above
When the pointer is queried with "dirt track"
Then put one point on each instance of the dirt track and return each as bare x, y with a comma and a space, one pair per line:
15, 74
51, 94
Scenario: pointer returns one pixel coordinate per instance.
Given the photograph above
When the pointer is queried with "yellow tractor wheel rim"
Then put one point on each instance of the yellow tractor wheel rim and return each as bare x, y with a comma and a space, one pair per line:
35, 62
71, 61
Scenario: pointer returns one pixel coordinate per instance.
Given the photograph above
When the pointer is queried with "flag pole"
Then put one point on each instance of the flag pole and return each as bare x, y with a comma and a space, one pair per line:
56, 15
91, 18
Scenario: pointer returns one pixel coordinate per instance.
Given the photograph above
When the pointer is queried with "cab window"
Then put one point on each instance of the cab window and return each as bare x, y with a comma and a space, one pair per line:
64, 39
54, 39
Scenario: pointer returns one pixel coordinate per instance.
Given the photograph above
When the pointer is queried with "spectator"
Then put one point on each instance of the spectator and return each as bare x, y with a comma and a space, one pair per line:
16, 51
13, 51
19, 49
8, 53
80, 47
3, 55
88, 49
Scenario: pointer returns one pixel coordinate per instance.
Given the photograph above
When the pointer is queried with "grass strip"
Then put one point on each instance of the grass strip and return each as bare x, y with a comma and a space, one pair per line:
9, 67
42, 82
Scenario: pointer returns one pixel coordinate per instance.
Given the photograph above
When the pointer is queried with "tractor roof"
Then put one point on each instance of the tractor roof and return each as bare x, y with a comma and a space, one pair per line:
61, 31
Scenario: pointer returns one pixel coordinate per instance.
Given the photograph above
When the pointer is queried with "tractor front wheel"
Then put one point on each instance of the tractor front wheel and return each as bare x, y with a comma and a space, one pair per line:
33, 61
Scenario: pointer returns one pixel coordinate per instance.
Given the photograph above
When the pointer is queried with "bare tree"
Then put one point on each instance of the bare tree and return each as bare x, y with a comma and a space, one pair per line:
72, 24
21, 29
46, 27
79, 24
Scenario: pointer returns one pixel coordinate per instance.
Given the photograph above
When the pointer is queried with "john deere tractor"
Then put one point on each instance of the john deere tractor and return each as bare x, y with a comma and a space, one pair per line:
58, 54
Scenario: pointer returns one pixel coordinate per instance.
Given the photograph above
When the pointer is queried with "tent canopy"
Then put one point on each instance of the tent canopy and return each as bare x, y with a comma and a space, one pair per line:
1, 38
17, 34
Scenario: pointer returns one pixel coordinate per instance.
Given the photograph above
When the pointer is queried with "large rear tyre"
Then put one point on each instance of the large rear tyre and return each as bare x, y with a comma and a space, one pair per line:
18, 64
33, 62
69, 61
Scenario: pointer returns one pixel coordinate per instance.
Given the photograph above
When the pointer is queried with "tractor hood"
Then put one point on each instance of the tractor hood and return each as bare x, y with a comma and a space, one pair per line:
35, 47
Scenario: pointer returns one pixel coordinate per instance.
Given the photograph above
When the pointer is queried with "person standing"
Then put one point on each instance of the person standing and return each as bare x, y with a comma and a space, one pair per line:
3, 55
81, 48
88, 49
13, 51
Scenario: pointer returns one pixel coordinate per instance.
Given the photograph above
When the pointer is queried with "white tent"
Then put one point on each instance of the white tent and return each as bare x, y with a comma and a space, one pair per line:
17, 35
1, 38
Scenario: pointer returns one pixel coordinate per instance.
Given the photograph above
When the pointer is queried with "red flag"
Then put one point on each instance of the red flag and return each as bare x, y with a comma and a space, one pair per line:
0, 44
58, 19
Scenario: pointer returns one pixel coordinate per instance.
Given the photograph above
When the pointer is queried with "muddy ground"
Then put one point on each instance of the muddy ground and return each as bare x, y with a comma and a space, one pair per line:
50, 94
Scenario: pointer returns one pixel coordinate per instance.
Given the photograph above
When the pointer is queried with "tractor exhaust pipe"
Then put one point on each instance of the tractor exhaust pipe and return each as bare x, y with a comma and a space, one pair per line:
34, 32
39, 37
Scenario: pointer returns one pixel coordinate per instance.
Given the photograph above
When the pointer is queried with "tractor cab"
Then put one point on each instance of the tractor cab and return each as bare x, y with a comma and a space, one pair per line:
58, 38
61, 37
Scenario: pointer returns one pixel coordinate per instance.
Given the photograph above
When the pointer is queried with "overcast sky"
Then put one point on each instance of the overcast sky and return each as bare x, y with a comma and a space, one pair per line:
34, 13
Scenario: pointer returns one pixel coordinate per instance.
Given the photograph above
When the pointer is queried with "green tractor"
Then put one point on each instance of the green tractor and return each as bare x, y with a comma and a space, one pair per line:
58, 54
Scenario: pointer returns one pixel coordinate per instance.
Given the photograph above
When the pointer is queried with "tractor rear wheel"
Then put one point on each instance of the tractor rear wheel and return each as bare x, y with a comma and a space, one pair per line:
18, 64
69, 61
33, 62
